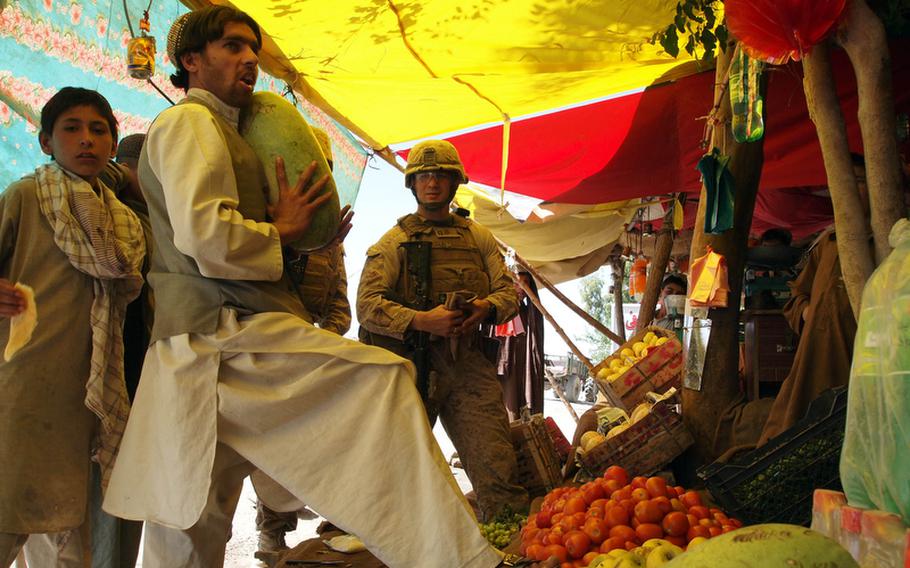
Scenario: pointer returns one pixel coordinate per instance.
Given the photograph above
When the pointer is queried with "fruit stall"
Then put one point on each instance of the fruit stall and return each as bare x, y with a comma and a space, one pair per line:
622, 507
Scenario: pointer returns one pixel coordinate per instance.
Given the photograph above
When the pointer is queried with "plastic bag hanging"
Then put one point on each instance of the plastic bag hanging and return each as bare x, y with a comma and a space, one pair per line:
719, 190
710, 287
638, 278
874, 463
745, 100
511, 328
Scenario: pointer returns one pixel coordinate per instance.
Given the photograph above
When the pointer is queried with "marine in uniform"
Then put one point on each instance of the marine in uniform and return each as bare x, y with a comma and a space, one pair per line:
465, 283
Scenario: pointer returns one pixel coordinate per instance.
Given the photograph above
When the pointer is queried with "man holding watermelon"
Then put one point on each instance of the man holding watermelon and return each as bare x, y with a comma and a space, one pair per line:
236, 379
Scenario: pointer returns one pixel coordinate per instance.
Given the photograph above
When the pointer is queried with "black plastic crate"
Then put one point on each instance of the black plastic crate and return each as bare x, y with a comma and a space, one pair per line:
774, 483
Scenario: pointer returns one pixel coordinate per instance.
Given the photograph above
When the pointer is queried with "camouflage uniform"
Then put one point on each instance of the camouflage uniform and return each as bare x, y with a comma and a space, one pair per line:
464, 390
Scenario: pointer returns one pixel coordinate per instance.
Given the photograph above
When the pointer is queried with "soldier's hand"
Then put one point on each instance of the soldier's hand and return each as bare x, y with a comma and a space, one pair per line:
296, 208
12, 301
439, 321
344, 227
476, 312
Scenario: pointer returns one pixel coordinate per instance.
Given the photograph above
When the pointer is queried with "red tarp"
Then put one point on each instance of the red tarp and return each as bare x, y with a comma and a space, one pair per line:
648, 143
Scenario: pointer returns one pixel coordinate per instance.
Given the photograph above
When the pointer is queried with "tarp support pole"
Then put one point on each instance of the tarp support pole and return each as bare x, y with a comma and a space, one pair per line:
593, 322
662, 250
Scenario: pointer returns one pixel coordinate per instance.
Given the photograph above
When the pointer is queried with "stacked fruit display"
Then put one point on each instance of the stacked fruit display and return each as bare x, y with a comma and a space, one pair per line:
620, 362
613, 513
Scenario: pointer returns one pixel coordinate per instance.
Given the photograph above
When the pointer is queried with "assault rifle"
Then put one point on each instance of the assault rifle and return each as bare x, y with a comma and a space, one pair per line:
417, 255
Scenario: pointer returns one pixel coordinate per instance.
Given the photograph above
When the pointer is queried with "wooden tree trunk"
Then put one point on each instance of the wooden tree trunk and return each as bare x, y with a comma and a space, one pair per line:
863, 38
662, 250
618, 273
850, 222
720, 376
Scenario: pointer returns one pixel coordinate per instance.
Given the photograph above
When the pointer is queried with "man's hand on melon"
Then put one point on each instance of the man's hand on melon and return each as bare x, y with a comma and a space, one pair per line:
12, 302
298, 203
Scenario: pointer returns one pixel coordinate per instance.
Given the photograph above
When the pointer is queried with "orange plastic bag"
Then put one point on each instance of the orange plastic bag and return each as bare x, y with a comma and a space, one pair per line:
710, 286
638, 276
511, 328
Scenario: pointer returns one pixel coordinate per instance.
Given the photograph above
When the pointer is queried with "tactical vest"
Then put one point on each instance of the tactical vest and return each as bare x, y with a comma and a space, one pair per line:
321, 281
191, 301
455, 261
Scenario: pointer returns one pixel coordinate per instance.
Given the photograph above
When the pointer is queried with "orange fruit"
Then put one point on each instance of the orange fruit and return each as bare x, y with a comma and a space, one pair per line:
690, 499
616, 516
624, 532
640, 494
575, 505
556, 550
618, 473
647, 531
675, 524
648, 511
612, 543
656, 486
577, 544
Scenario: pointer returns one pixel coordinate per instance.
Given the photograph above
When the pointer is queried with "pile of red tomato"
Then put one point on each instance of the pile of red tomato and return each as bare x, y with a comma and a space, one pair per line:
575, 524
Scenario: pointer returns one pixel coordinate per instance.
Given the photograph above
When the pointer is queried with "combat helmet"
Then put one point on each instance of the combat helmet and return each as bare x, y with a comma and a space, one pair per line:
433, 155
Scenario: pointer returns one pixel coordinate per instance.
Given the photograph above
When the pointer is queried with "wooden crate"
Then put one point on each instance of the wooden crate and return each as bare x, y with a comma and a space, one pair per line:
661, 369
645, 447
539, 466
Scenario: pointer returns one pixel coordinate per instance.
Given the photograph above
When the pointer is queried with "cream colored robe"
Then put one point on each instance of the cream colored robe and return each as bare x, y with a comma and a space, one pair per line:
338, 424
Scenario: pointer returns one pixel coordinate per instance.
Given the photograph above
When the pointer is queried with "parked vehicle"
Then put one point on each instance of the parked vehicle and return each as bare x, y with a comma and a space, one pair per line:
572, 377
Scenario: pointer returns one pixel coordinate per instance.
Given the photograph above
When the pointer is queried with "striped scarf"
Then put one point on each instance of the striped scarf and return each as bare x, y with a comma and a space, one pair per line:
102, 238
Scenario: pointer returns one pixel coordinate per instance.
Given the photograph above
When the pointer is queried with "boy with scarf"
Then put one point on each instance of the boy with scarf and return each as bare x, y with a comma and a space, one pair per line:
64, 403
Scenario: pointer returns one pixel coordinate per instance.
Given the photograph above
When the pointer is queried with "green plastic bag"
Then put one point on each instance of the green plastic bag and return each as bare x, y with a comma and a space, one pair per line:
875, 460
719, 185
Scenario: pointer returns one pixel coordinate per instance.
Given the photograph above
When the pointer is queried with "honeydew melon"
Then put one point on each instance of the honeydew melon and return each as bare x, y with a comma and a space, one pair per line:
766, 546
274, 127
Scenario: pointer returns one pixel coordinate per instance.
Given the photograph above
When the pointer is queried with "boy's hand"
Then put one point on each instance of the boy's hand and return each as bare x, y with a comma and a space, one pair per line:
12, 301
294, 212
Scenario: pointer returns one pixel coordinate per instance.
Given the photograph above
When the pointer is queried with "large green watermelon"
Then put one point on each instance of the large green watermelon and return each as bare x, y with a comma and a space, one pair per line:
274, 127
766, 546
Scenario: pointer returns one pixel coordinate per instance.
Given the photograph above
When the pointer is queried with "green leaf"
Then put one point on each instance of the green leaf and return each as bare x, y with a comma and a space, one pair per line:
721, 34
689, 9
680, 22
670, 41
708, 41
690, 45
710, 19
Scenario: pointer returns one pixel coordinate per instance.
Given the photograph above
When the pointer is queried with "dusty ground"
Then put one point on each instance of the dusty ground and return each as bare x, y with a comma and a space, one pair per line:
241, 547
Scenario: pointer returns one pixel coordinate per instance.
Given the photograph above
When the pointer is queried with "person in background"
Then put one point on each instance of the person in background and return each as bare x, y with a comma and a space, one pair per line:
776, 238
464, 262
236, 379
137, 328
673, 284
115, 542
63, 400
520, 364
324, 292
819, 311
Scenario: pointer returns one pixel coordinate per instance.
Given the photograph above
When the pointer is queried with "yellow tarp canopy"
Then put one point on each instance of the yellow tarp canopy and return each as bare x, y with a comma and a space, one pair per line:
394, 71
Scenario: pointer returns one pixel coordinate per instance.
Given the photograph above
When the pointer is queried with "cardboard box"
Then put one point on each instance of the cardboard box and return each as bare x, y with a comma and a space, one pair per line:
659, 370
645, 447
539, 465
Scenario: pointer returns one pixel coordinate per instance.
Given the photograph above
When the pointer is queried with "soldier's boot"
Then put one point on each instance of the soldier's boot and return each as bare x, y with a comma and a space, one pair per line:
271, 545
